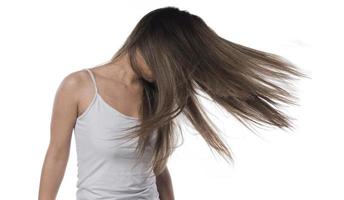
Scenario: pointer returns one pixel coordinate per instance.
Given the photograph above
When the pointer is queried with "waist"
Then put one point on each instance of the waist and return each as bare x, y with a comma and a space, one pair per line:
125, 187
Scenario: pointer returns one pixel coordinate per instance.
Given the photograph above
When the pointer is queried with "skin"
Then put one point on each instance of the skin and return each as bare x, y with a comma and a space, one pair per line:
164, 185
72, 98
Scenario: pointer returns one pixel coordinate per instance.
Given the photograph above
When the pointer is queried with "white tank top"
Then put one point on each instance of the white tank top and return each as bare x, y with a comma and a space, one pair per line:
106, 164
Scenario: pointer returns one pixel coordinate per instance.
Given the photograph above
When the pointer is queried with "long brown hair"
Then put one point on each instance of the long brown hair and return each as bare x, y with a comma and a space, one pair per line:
185, 55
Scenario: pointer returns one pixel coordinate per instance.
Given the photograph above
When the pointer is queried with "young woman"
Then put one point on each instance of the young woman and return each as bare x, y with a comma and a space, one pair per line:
123, 112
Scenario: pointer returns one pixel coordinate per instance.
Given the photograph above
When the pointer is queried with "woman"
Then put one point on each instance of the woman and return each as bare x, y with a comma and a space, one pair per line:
123, 112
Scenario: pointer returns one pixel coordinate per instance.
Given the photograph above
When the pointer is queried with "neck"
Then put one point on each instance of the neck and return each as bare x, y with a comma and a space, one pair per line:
122, 70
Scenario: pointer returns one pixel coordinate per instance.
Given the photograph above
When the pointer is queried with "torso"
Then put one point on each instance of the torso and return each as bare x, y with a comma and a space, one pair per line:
107, 167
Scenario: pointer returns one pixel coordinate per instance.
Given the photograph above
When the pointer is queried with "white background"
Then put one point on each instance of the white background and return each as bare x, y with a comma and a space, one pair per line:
43, 41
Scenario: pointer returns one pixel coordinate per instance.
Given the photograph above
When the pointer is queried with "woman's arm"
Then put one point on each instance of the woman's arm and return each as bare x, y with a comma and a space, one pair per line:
164, 184
62, 122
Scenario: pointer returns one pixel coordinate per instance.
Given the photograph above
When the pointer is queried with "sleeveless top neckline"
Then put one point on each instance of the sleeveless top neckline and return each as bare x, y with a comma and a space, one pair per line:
107, 166
97, 96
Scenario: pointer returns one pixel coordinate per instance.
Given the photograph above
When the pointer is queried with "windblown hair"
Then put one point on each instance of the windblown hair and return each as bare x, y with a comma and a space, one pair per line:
185, 55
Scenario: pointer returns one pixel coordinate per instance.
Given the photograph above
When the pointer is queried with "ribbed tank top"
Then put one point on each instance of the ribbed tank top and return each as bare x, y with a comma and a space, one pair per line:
105, 163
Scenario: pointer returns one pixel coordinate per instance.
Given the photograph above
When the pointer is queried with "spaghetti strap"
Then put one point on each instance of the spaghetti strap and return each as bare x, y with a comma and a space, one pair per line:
93, 79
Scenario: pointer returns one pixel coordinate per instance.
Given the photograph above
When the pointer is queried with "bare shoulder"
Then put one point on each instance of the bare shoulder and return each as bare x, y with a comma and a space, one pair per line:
71, 82
71, 89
